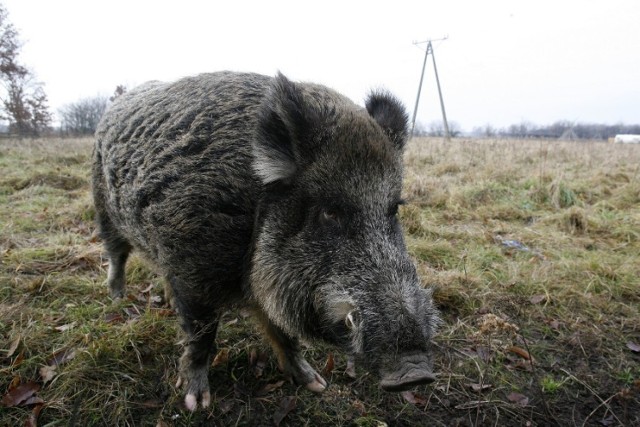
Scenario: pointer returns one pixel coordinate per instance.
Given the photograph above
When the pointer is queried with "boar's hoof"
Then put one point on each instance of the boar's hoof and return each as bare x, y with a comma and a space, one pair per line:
407, 376
317, 385
196, 385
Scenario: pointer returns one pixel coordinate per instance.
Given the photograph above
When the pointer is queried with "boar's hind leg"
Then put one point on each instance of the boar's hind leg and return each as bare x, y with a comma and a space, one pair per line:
290, 358
200, 323
118, 250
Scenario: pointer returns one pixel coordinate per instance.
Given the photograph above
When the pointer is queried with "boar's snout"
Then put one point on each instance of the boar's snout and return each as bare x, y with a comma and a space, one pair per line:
411, 371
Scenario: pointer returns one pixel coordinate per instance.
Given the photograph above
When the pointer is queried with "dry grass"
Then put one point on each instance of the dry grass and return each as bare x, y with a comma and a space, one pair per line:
533, 247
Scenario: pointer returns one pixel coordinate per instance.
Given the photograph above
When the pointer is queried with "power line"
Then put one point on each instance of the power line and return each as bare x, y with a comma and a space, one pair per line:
428, 51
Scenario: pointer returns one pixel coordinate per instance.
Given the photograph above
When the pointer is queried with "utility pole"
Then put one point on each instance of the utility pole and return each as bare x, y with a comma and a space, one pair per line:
428, 51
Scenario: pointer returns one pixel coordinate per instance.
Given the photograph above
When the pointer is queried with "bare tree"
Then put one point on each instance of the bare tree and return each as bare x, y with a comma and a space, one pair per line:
23, 102
82, 117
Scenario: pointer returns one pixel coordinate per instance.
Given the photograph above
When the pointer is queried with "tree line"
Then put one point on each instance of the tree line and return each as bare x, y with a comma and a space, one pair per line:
23, 101
562, 129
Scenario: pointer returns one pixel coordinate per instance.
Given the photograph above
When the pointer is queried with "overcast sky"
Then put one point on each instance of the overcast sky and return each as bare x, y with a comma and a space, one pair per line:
504, 61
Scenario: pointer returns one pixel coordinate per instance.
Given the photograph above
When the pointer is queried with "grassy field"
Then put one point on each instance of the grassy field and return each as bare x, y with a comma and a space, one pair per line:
533, 248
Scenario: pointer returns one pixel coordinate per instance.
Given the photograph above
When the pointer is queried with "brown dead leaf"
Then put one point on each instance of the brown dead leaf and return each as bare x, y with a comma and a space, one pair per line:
20, 394
633, 347
18, 360
413, 398
32, 420
133, 312
537, 299
61, 356
113, 318
479, 387
162, 423
47, 373
14, 345
221, 357
520, 352
329, 365
287, 404
15, 382
518, 399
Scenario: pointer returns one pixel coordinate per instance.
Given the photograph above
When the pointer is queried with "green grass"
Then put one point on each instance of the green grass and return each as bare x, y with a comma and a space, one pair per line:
552, 322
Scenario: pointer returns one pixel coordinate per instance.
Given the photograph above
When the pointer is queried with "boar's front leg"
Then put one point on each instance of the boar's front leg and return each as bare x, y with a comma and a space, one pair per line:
200, 323
290, 357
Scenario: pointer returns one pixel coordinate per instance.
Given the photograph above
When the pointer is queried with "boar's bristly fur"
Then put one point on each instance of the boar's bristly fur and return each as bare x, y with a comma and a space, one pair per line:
242, 188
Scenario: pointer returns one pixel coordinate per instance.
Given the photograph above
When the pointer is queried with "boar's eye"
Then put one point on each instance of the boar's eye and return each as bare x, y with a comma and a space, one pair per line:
329, 217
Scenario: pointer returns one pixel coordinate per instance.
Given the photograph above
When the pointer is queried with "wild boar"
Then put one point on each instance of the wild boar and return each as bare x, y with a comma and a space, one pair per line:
282, 196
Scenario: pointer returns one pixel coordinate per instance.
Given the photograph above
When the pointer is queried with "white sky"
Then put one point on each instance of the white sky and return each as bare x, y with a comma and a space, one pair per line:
504, 61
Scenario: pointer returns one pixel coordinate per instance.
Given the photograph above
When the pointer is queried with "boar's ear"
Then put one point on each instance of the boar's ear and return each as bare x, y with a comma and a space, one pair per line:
390, 114
284, 124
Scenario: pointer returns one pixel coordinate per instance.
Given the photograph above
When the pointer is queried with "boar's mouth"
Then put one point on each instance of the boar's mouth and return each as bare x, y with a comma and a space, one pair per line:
411, 372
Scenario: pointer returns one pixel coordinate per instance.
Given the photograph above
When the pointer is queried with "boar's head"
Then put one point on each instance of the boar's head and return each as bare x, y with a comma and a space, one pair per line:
329, 259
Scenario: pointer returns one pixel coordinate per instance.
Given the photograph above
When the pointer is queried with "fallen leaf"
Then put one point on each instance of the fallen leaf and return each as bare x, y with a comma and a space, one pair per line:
14, 345
520, 352
47, 373
413, 398
633, 347
61, 356
221, 357
479, 387
537, 299
63, 328
162, 423
133, 312
518, 399
113, 318
18, 360
15, 382
19, 394
33, 400
554, 324
268, 388
329, 365
287, 404
32, 421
